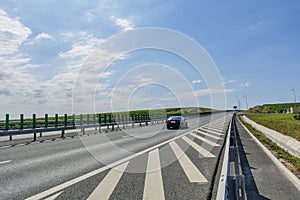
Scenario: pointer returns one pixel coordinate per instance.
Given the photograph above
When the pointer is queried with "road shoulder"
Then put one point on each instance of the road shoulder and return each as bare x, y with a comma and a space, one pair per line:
264, 179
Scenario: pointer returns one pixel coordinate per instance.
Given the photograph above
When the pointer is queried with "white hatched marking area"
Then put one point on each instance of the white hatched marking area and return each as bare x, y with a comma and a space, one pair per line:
200, 141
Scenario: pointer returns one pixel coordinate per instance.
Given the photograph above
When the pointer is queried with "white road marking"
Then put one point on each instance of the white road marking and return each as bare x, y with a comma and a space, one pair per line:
108, 184
153, 188
207, 134
191, 171
54, 196
97, 171
4, 162
205, 140
127, 136
198, 148
3, 147
214, 128
212, 131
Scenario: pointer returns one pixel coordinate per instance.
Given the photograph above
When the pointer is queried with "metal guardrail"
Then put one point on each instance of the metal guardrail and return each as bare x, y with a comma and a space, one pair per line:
34, 126
236, 180
232, 181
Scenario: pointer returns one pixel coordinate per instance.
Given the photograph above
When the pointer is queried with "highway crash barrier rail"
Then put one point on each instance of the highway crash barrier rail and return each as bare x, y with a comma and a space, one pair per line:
232, 181
62, 123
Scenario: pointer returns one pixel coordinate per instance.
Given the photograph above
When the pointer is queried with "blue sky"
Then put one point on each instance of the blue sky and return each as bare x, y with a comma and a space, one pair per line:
43, 44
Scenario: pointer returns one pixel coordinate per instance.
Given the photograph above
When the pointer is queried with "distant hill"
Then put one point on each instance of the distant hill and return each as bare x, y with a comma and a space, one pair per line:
273, 108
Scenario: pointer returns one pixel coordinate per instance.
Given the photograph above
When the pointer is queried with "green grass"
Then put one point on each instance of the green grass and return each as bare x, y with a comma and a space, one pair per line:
272, 146
283, 123
273, 108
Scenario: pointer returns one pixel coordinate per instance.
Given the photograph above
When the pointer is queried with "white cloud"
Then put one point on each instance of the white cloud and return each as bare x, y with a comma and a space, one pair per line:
231, 81
12, 34
204, 92
196, 81
66, 36
81, 48
256, 25
90, 16
123, 23
43, 36
245, 84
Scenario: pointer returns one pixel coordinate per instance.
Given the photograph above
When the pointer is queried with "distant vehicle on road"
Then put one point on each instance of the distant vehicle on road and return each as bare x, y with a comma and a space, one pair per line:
176, 122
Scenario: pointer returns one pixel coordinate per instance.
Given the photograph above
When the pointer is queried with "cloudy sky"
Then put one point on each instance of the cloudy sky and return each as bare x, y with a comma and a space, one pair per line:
44, 44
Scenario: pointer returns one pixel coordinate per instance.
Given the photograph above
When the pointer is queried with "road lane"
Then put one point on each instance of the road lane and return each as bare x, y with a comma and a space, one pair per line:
40, 166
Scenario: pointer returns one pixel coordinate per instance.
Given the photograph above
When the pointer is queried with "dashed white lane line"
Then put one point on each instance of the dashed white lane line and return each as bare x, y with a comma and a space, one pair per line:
205, 140
3, 147
108, 184
208, 135
191, 171
54, 196
153, 188
198, 148
4, 162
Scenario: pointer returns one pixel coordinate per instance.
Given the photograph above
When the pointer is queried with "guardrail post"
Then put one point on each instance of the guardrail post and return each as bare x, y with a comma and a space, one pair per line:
118, 120
81, 120
73, 120
147, 119
123, 122
140, 119
94, 121
33, 121
66, 120
56, 120
21, 121
113, 121
99, 119
65, 125
133, 120
34, 126
7, 122
7, 125
109, 120
46, 120
81, 124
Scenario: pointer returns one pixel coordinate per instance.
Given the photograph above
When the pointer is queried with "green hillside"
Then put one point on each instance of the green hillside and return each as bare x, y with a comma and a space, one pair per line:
273, 108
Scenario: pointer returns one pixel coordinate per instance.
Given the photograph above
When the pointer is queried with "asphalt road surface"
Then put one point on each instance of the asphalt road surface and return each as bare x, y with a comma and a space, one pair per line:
142, 163
264, 180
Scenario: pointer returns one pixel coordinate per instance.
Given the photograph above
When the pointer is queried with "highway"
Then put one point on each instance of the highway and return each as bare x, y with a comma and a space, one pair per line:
148, 162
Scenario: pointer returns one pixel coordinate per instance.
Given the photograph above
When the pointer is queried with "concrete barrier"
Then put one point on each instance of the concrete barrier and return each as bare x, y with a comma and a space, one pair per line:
286, 142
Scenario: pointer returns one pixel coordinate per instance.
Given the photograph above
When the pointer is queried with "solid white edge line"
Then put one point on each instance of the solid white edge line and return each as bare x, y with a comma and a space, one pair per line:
4, 162
222, 193
108, 184
281, 167
97, 171
153, 187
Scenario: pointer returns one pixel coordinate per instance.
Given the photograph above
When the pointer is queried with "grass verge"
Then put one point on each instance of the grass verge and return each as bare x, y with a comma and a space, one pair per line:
283, 123
290, 161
